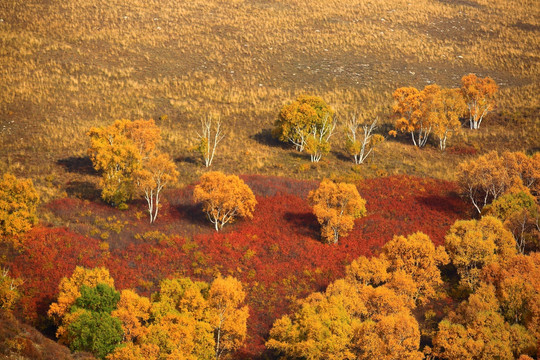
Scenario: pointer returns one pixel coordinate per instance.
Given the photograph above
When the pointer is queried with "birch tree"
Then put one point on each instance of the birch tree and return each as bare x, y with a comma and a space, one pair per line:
361, 143
479, 94
224, 198
209, 138
157, 172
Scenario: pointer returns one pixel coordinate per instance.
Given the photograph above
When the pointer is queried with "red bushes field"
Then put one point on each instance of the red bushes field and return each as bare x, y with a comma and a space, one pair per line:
277, 255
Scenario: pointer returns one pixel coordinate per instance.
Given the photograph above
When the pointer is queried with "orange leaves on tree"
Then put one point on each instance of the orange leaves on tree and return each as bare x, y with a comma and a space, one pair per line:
224, 197
336, 206
479, 94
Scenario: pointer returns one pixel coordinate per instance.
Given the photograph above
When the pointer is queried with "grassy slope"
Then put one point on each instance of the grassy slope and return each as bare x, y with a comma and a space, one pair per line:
66, 66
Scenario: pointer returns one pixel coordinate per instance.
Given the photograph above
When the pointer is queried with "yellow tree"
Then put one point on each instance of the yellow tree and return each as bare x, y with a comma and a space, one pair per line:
320, 329
526, 168
224, 198
336, 206
297, 120
416, 257
9, 293
484, 179
519, 211
228, 314
157, 172
181, 326
479, 94
18, 205
448, 108
477, 330
117, 151
133, 311
473, 244
70, 291
413, 109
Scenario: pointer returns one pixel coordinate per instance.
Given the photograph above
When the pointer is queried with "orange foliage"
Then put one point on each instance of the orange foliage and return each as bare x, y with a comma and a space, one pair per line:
479, 95
336, 206
224, 198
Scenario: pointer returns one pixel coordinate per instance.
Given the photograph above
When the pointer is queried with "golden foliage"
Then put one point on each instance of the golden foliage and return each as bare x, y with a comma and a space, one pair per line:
298, 119
157, 172
473, 244
134, 313
415, 257
479, 95
228, 316
224, 198
18, 205
336, 206
9, 293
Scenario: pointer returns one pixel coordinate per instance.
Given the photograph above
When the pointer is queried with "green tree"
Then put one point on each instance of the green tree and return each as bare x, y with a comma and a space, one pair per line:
96, 332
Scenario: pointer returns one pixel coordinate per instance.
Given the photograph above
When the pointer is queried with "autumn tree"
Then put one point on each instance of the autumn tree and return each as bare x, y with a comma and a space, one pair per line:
360, 144
117, 152
491, 175
70, 291
413, 110
479, 94
317, 142
228, 314
18, 205
484, 179
348, 321
520, 213
449, 107
156, 172
298, 119
133, 311
336, 206
224, 198
9, 290
210, 136
473, 244
414, 257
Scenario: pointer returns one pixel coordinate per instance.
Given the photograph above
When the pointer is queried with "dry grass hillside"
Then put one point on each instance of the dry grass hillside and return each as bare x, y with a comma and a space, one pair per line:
69, 65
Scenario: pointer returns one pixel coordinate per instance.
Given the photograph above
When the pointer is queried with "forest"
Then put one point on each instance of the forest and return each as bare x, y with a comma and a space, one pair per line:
269, 179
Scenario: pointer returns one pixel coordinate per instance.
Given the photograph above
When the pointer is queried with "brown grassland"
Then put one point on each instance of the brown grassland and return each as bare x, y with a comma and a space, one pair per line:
69, 65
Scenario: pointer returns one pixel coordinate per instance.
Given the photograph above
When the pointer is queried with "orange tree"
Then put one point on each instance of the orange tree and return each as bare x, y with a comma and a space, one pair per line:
224, 197
18, 205
479, 94
336, 206
449, 107
297, 120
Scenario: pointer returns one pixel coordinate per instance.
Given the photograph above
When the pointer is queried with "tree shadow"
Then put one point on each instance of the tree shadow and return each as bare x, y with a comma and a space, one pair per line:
304, 224
469, 3
451, 204
187, 159
83, 190
78, 164
265, 137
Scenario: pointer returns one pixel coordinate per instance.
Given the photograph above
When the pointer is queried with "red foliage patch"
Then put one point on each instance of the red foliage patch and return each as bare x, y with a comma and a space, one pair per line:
277, 254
